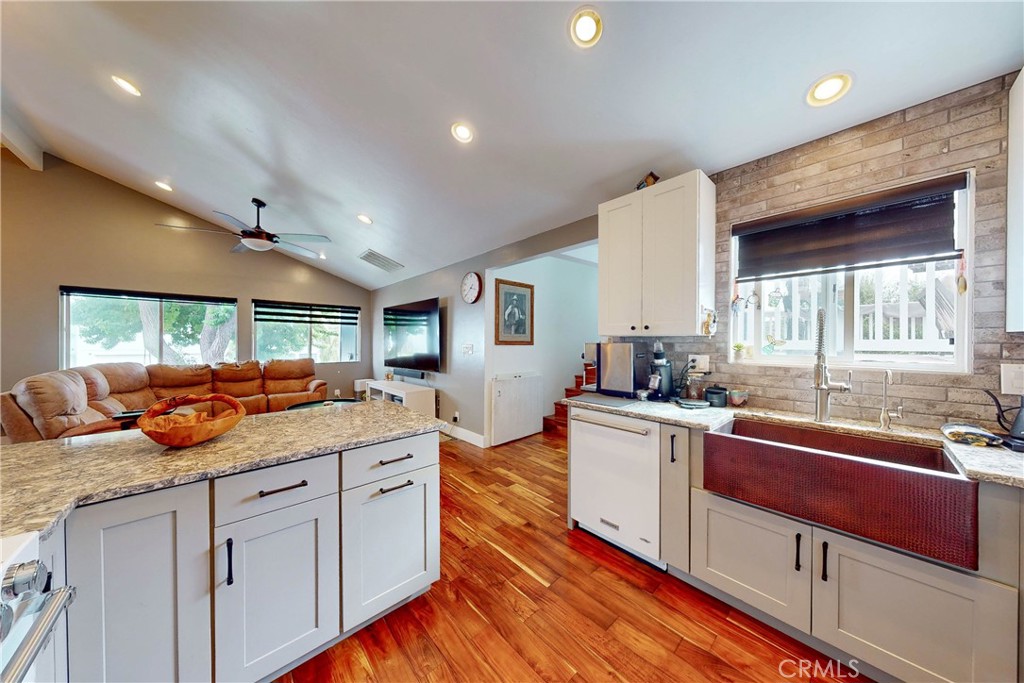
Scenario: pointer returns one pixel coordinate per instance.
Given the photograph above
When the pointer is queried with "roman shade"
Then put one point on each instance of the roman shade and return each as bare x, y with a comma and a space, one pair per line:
307, 314
913, 223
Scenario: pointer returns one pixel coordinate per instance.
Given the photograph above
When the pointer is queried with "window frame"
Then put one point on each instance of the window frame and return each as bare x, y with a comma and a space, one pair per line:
963, 358
342, 309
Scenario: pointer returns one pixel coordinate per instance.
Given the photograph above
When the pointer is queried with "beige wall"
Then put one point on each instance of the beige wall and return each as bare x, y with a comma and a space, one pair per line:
963, 130
68, 226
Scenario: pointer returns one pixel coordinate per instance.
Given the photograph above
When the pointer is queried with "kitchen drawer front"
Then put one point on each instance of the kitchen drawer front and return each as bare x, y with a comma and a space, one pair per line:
368, 464
238, 496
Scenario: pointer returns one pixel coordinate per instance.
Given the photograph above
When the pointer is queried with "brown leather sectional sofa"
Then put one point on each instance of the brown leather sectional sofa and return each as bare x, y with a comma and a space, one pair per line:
83, 400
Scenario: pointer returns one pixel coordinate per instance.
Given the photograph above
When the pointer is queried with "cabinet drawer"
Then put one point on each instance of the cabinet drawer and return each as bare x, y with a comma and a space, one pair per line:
241, 496
371, 463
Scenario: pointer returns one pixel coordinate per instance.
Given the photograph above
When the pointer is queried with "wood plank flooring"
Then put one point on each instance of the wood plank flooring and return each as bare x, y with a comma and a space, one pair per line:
521, 598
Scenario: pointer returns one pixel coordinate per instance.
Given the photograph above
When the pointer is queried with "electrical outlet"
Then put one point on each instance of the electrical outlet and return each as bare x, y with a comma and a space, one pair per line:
467, 349
337, 393
703, 363
455, 416
1011, 376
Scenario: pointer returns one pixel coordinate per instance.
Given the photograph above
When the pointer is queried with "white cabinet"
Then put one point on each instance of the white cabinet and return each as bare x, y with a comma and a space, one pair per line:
52, 662
675, 496
614, 479
656, 259
277, 589
141, 566
390, 517
911, 618
414, 397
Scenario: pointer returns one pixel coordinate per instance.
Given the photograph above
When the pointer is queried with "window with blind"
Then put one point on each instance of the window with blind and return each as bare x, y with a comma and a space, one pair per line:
325, 333
107, 326
885, 267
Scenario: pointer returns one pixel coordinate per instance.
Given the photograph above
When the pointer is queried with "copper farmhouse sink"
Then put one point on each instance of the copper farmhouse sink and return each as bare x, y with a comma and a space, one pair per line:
905, 495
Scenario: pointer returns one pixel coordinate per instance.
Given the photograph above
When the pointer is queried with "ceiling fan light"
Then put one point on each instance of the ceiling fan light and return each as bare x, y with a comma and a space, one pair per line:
257, 244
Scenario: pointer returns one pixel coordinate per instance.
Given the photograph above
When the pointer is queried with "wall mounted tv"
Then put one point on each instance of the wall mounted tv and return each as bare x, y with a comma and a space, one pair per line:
412, 336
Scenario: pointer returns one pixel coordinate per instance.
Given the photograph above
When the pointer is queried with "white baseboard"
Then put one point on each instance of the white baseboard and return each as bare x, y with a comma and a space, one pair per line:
467, 436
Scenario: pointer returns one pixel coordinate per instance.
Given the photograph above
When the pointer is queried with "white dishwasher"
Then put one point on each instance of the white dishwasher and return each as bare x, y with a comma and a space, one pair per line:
614, 480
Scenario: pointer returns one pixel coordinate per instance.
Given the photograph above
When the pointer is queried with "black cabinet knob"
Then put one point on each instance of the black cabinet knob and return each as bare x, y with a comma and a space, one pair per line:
647, 327
632, 327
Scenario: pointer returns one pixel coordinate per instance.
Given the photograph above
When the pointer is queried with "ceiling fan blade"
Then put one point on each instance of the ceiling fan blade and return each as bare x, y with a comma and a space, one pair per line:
189, 227
239, 248
297, 250
304, 237
234, 221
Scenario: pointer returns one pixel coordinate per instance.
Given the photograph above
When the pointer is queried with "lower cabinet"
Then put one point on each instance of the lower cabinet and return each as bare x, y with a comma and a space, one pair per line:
908, 617
276, 588
141, 566
392, 547
675, 496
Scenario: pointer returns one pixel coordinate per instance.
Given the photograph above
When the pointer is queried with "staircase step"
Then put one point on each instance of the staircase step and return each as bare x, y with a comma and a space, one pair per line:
569, 393
561, 410
579, 381
589, 373
556, 425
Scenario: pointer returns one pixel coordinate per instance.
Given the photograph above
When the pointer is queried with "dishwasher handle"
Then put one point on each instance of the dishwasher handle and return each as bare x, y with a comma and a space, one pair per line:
642, 431
37, 637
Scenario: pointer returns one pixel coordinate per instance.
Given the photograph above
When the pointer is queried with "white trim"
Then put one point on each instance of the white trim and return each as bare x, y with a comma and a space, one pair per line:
467, 436
21, 143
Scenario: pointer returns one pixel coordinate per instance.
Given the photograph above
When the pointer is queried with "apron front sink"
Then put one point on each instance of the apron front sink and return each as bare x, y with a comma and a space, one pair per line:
905, 495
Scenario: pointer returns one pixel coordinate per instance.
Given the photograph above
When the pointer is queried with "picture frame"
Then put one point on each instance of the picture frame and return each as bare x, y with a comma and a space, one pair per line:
513, 313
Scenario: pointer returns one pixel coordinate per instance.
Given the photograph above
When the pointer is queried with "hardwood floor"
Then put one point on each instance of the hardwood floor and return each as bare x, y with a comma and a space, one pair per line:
521, 598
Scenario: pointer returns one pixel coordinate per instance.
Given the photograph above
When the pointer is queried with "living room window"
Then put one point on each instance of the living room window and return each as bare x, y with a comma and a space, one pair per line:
108, 326
325, 333
887, 268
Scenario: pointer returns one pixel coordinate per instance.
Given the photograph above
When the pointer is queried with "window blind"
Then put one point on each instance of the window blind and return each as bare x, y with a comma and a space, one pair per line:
304, 314
69, 290
908, 224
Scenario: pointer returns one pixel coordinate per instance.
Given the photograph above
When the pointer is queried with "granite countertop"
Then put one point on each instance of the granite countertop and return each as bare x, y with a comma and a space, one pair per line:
998, 465
42, 481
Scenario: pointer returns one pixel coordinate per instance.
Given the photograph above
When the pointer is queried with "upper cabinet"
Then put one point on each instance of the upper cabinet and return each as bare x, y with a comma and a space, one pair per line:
656, 259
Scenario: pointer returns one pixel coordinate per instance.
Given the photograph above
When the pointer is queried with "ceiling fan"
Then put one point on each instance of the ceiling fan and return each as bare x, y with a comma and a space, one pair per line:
258, 239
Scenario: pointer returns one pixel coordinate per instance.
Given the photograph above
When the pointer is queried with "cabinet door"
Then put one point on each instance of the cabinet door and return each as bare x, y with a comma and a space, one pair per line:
761, 558
142, 569
283, 599
620, 266
911, 618
675, 496
392, 546
670, 245
614, 475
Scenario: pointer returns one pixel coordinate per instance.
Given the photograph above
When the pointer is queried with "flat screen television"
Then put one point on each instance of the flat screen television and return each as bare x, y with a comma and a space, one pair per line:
412, 336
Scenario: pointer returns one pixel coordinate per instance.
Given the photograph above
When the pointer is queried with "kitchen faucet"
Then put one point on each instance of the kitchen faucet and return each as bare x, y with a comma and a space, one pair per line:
885, 420
823, 384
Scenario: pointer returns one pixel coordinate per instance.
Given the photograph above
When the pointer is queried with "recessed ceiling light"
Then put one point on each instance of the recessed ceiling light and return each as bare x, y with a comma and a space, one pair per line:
126, 86
462, 132
829, 89
363, 218
323, 256
585, 27
164, 186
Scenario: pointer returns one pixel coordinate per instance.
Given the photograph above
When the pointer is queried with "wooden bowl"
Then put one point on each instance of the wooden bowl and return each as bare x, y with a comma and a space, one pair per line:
181, 431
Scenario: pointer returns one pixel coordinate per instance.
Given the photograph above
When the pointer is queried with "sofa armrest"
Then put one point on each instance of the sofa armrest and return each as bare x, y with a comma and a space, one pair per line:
316, 384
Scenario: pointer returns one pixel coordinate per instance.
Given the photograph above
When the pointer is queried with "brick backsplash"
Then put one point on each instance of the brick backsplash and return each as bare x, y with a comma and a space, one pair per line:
962, 130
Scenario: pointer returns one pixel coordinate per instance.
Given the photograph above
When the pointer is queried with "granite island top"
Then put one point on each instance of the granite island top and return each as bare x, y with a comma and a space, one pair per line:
42, 481
998, 465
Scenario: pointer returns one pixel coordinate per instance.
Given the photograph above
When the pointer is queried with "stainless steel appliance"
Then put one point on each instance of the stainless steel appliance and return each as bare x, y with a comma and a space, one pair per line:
622, 368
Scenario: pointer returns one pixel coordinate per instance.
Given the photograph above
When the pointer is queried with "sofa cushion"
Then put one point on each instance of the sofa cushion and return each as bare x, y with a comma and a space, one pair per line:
97, 389
288, 376
56, 402
176, 380
281, 401
129, 384
254, 405
238, 379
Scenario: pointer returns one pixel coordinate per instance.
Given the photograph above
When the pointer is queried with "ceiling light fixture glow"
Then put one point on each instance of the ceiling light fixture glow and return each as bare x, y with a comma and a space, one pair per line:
828, 89
363, 218
323, 256
585, 27
462, 132
257, 244
126, 86
164, 186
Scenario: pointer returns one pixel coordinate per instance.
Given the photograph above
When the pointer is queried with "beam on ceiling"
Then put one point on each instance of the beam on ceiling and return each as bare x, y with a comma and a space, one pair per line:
21, 143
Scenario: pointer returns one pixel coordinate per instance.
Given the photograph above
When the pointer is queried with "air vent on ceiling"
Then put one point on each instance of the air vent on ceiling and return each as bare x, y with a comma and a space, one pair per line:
381, 261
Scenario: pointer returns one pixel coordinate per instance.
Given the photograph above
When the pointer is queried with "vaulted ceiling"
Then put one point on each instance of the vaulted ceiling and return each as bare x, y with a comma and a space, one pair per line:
326, 110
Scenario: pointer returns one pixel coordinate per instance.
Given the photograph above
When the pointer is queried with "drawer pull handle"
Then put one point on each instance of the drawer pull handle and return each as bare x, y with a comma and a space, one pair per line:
797, 565
824, 561
611, 524
407, 456
264, 494
395, 488
231, 574
622, 428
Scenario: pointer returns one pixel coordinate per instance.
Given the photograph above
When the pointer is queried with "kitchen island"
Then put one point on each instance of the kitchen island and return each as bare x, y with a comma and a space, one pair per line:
265, 545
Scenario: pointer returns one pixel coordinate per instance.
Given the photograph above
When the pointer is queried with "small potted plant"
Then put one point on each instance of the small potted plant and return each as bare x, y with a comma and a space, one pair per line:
738, 350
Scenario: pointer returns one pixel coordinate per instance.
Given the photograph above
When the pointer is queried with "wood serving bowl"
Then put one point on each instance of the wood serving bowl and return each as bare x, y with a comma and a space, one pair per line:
181, 431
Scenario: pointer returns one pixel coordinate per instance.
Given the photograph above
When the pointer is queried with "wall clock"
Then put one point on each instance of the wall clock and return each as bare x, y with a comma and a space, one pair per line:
471, 287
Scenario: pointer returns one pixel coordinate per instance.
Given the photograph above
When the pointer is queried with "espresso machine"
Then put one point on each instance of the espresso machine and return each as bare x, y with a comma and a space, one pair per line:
660, 383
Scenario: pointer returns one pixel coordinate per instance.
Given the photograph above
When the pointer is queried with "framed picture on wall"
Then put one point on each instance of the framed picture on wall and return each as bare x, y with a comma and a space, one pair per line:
513, 312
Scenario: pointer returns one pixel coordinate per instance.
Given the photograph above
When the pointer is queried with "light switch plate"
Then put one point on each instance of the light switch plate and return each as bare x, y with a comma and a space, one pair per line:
703, 363
467, 349
1011, 376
